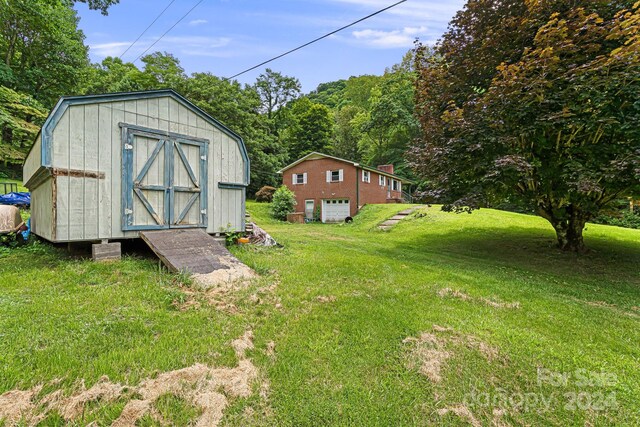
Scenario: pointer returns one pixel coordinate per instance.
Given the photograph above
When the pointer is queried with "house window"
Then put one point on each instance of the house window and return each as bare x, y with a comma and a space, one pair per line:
381, 180
395, 185
366, 176
299, 178
335, 176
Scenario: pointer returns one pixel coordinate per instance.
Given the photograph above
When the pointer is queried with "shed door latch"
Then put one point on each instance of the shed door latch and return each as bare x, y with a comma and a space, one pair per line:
128, 212
128, 147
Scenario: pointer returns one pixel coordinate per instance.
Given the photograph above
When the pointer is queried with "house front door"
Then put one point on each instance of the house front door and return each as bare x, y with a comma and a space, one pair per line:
309, 207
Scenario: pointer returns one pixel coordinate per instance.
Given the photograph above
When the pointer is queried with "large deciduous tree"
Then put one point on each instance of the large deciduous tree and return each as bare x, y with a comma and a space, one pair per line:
275, 90
42, 48
309, 128
20, 119
550, 122
239, 107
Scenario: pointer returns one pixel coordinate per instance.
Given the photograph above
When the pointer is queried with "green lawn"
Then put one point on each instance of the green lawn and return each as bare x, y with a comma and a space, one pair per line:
343, 318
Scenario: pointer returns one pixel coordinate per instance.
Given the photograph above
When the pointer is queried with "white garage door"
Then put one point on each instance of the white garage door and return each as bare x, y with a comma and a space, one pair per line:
335, 210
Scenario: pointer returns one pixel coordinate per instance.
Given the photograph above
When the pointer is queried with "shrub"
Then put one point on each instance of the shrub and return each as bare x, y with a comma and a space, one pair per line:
283, 203
628, 219
265, 194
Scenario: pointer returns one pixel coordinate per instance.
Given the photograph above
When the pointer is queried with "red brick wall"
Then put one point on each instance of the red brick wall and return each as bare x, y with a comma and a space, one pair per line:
317, 187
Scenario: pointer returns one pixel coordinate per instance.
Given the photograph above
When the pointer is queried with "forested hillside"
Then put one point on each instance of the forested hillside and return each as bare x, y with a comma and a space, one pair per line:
365, 118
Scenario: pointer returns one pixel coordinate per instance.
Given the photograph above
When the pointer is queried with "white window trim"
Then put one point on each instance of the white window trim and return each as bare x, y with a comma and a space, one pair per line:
295, 178
366, 176
382, 180
340, 175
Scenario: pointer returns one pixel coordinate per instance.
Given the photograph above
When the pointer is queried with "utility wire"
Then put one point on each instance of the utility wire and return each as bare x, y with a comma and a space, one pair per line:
145, 30
171, 28
314, 40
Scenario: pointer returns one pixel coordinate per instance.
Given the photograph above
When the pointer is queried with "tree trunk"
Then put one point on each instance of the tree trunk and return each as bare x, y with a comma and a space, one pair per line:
568, 228
569, 234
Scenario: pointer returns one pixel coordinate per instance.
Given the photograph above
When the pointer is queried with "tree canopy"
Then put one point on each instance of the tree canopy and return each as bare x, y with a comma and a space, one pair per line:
549, 121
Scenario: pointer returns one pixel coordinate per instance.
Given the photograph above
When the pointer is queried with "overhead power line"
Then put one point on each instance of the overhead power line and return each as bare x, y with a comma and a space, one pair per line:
171, 28
315, 40
145, 30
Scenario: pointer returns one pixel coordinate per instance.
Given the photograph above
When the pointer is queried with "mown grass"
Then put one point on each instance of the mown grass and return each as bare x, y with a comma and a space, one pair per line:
340, 359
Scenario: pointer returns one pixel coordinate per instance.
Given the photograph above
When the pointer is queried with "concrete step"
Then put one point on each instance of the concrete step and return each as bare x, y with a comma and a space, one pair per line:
398, 217
389, 223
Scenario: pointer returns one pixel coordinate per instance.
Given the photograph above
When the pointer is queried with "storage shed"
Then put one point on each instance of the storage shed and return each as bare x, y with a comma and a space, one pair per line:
110, 166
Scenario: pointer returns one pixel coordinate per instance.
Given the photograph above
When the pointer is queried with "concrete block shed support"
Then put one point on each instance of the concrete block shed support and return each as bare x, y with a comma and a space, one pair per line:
106, 251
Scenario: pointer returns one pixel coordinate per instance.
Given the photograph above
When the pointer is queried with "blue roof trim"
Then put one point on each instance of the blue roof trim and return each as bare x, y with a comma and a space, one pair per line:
64, 103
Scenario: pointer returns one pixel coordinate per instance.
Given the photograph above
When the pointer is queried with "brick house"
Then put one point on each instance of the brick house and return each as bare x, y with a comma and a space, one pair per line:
338, 188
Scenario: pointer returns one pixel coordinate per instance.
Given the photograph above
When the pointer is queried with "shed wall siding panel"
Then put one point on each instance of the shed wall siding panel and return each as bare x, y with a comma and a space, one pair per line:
60, 155
88, 138
33, 160
42, 209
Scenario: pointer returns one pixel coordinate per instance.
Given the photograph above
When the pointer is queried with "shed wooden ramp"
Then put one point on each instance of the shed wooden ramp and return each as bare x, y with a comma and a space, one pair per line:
194, 251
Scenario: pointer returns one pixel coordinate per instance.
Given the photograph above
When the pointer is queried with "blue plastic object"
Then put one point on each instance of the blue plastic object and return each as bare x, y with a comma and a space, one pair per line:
16, 199
27, 232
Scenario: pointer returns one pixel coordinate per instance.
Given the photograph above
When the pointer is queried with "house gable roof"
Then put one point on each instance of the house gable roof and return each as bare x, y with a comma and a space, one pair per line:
316, 156
63, 104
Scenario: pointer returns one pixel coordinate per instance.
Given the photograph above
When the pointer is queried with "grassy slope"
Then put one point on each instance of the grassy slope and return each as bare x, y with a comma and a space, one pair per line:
344, 362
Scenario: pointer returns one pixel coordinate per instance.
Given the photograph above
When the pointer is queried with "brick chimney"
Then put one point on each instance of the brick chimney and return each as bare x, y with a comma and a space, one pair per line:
385, 168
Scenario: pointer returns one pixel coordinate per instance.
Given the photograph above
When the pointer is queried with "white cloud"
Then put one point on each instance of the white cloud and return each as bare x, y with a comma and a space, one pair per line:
108, 49
197, 22
196, 41
416, 10
390, 39
188, 45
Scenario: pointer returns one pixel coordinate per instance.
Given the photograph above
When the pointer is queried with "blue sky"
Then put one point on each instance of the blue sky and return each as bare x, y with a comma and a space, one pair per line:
225, 37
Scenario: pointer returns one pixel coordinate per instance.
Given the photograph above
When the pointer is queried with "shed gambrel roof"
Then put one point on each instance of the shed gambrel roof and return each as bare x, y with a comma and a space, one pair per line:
315, 156
63, 104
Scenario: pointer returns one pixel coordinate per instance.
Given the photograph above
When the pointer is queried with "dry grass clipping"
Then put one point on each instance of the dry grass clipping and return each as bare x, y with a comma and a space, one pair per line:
462, 412
234, 272
429, 353
491, 302
209, 388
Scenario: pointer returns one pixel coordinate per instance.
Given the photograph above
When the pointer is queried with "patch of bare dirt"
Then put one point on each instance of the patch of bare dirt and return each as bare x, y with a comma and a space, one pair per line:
208, 388
491, 302
462, 412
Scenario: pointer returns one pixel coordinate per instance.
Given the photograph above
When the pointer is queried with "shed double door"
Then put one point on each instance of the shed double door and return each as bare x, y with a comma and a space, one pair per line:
164, 180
